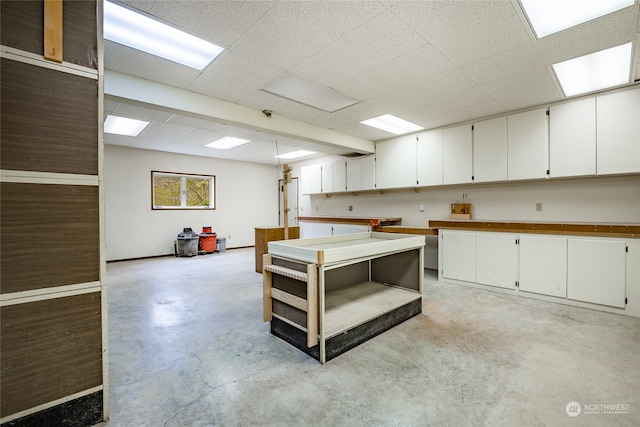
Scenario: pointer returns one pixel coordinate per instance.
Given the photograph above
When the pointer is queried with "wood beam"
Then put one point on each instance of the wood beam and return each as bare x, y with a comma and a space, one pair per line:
53, 30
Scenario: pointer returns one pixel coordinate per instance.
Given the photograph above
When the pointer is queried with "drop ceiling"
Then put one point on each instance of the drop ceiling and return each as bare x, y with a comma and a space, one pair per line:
434, 63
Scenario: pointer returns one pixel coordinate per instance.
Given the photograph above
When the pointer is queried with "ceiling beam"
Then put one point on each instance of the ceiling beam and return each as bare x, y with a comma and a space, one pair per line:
181, 101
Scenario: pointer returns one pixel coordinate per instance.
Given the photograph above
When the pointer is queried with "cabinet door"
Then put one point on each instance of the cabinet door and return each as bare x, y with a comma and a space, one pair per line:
339, 176
458, 255
429, 156
596, 271
572, 138
324, 229
308, 230
618, 130
311, 179
543, 265
368, 172
457, 155
490, 150
353, 174
405, 161
527, 145
497, 259
327, 178
386, 164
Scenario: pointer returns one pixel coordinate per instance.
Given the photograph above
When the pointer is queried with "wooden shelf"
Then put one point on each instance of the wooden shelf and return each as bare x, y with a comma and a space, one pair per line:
350, 220
358, 304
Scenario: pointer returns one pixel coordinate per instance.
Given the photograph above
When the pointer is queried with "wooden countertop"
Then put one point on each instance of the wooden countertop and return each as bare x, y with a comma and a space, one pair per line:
350, 220
629, 230
427, 231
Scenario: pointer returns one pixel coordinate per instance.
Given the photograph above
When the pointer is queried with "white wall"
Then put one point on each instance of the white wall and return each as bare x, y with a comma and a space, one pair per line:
246, 197
595, 199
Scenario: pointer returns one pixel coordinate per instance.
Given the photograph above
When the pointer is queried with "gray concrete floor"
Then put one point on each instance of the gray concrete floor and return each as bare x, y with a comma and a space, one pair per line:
187, 347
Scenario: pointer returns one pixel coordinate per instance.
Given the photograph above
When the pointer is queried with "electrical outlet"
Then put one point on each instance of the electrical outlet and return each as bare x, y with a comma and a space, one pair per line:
539, 207
421, 208
350, 208
229, 237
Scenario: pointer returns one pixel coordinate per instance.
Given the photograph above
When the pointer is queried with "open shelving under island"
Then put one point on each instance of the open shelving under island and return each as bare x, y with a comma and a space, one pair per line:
327, 295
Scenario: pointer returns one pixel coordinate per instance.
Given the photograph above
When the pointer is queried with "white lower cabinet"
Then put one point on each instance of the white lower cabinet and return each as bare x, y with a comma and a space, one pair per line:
543, 265
596, 271
323, 229
459, 255
575, 268
497, 259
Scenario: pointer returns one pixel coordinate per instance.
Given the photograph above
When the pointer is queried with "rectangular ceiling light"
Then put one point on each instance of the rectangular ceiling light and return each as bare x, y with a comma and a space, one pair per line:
227, 143
392, 124
124, 126
314, 95
599, 70
551, 16
295, 154
123, 25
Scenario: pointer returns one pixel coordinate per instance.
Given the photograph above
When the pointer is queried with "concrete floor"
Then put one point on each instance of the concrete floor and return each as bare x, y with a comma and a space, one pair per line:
187, 347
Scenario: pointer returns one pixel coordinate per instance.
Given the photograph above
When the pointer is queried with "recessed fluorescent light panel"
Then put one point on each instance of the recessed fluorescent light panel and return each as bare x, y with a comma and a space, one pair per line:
551, 16
227, 143
124, 126
295, 154
314, 95
600, 70
392, 124
129, 28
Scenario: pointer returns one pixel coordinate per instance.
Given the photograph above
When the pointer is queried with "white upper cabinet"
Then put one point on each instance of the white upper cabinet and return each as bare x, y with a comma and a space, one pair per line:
368, 172
490, 150
527, 145
572, 138
311, 179
429, 158
457, 155
405, 161
386, 164
327, 178
361, 173
618, 132
339, 176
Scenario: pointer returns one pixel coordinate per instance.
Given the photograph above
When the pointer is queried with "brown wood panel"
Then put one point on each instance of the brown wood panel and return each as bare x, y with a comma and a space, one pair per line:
350, 220
264, 235
576, 229
50, 235
49, 120
50, 349
409, 230
22, 27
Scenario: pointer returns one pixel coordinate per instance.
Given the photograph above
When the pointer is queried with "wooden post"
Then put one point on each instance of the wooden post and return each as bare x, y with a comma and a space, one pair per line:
286, 169
312, 305
53, 30
266, 290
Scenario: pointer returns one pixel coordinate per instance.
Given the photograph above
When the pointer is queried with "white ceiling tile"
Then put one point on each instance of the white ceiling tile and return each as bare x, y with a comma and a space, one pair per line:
504, 64
402, 71
261, 100
220, 22
164, 132
380, 40
143, 113
611, 30
451, 81
460, 99
113, 139
466, 30
529, 89
192, 122
137, 63
199, 137
232, 76
293, 30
